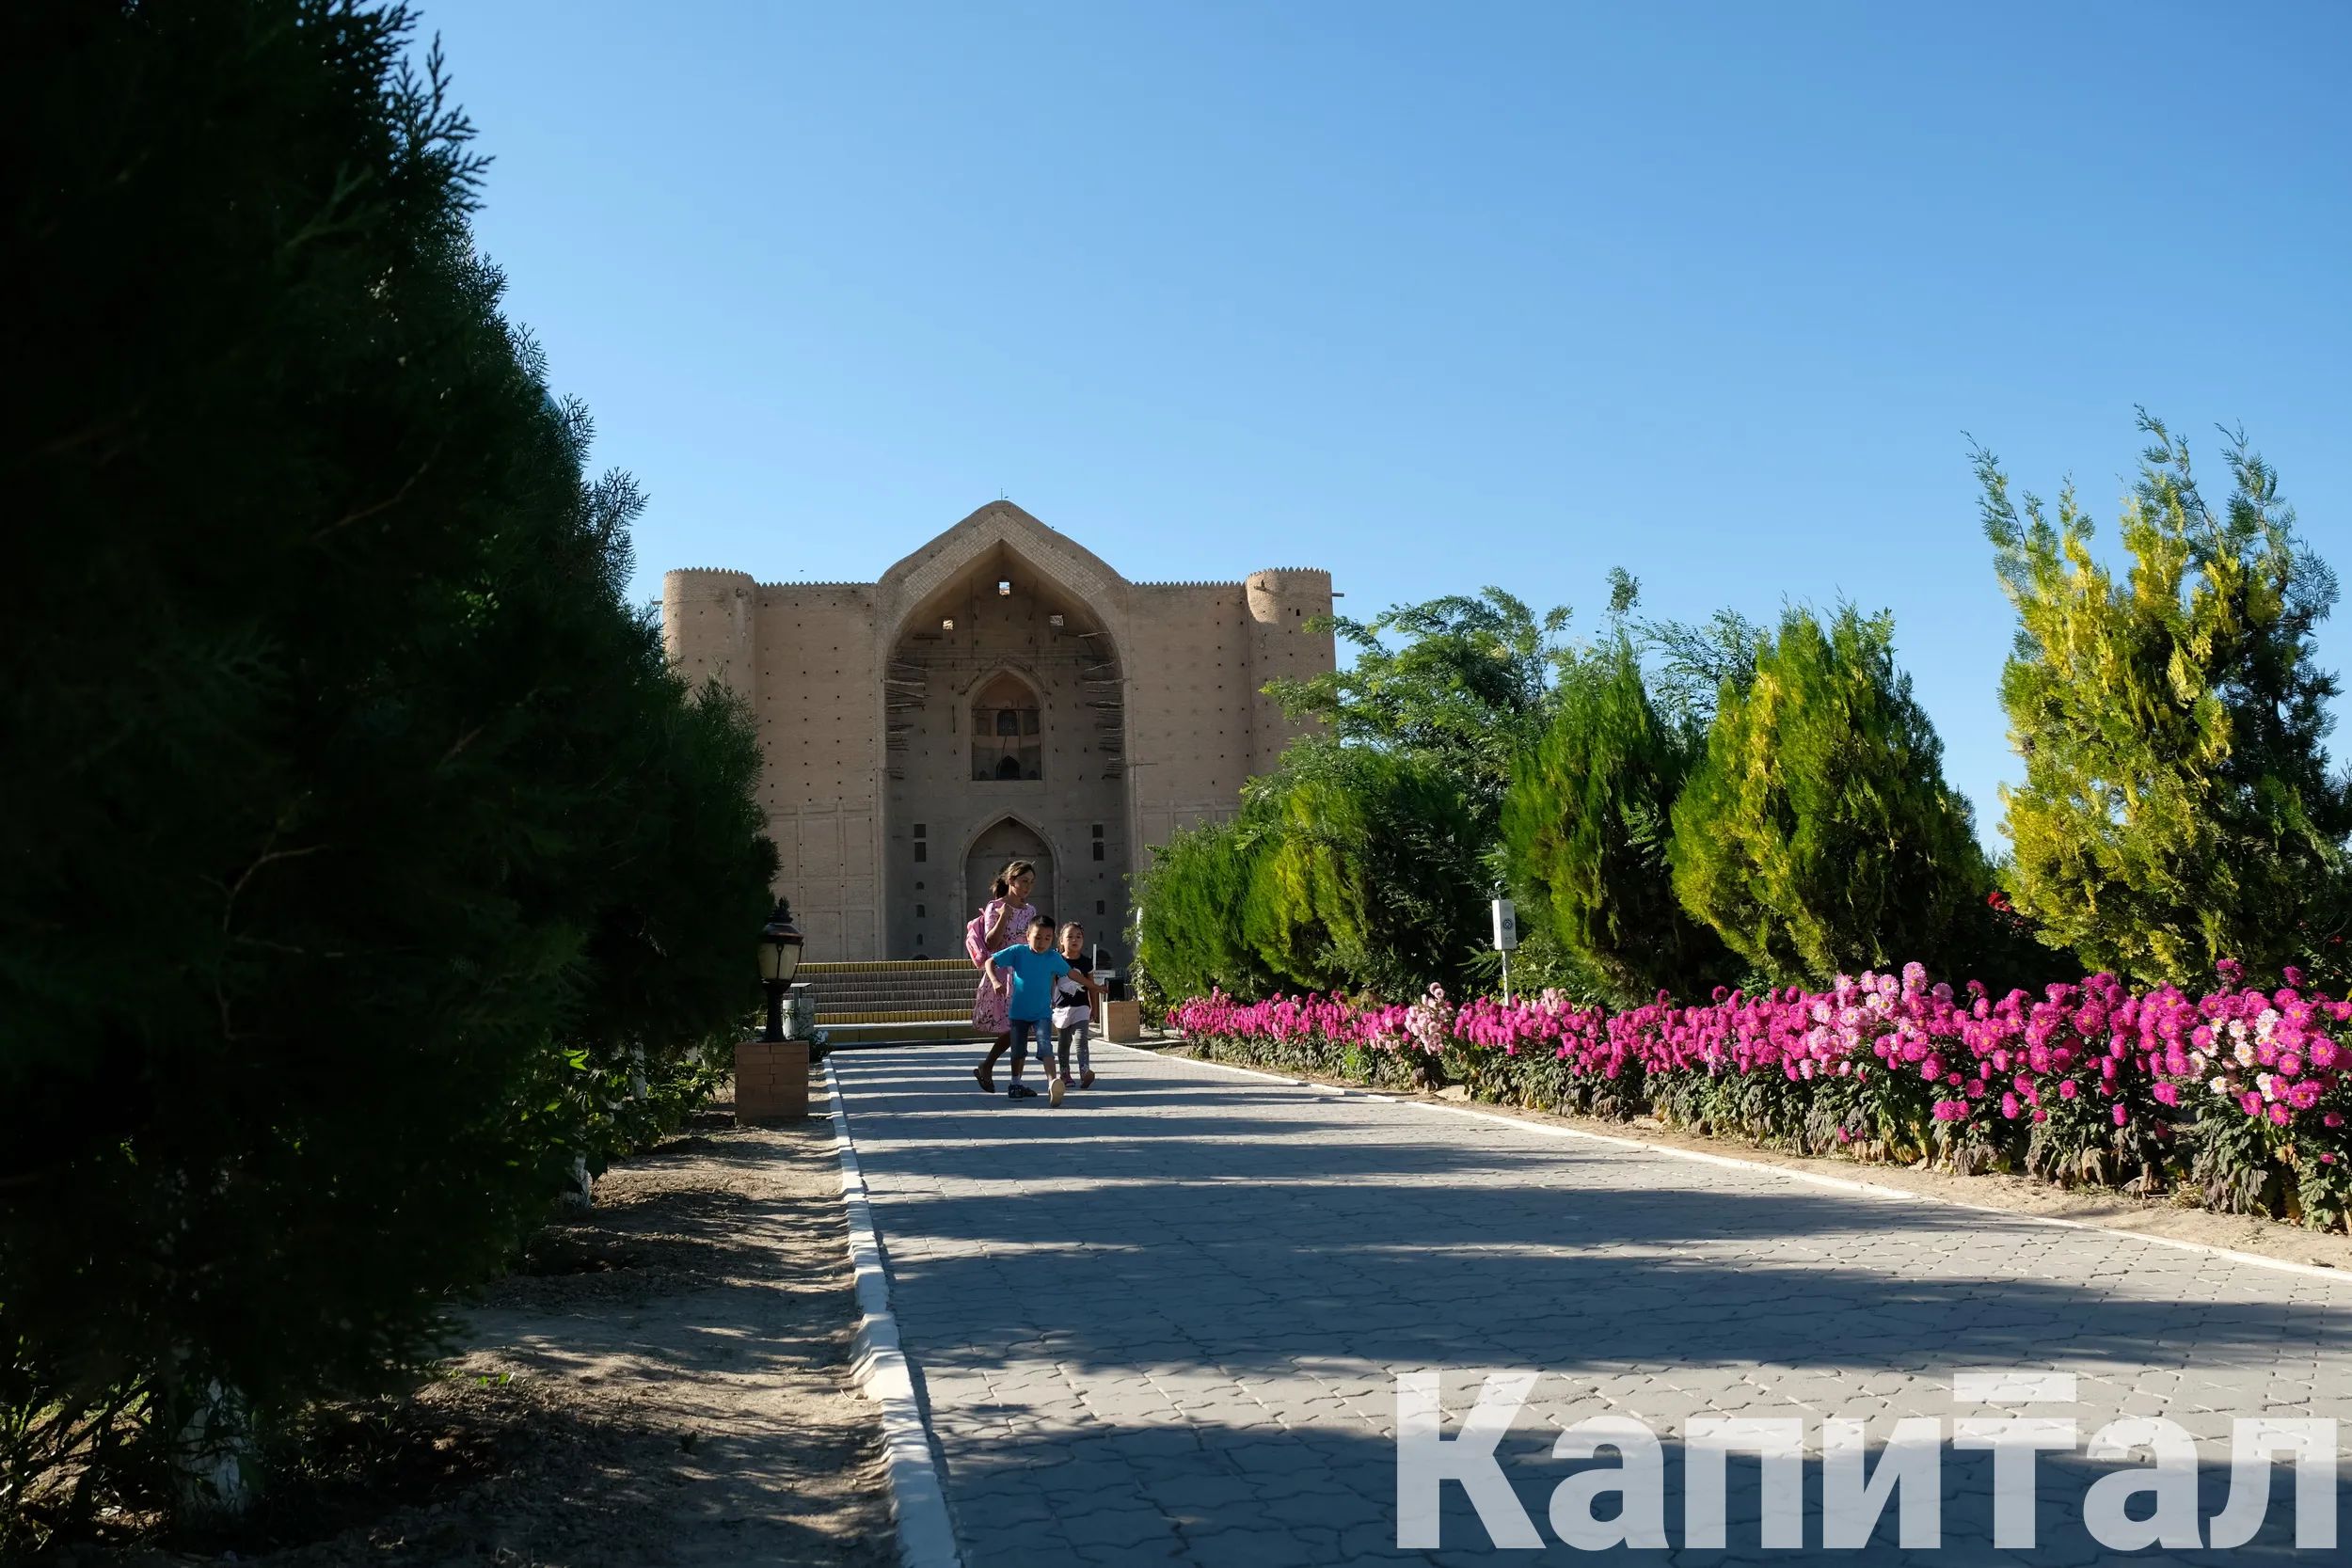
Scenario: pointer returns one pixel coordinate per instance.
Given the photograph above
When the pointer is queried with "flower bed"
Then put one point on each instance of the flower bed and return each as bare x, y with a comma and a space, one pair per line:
2238, 1098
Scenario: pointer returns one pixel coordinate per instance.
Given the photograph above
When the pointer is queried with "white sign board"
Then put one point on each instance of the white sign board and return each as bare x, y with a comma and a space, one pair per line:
1506, 926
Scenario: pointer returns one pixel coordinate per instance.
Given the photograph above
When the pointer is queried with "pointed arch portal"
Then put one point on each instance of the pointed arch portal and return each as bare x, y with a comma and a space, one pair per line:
1005, 733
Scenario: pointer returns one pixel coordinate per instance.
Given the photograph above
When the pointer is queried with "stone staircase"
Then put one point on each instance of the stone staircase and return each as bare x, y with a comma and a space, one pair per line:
893, 1004
884, 1004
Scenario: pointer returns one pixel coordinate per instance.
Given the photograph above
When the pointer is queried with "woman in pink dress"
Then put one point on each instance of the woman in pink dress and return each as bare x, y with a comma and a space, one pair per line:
1002, 921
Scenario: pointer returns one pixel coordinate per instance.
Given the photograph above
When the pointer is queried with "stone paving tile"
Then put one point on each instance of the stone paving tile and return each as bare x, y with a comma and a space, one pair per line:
1161, 1323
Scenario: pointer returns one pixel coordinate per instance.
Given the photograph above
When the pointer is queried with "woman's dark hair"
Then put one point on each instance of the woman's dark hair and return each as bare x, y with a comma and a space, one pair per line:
1002, 887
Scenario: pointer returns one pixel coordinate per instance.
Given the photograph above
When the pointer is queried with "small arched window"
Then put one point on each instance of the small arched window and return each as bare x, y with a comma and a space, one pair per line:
1006, 731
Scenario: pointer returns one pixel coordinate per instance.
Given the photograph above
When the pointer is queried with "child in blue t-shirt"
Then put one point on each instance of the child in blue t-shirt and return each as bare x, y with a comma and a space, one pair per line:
1031, 972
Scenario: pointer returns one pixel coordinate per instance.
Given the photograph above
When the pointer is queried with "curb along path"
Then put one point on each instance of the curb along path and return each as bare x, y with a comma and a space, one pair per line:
1163, 1322
916, 1505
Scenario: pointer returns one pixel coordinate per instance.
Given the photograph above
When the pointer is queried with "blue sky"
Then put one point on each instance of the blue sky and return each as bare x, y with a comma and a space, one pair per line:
1435, 296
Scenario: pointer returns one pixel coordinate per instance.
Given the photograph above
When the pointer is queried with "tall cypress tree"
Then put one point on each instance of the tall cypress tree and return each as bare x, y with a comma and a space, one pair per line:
2177, 807
1342, 869
1587, 827
1357, 881
1816, 834
1187, 903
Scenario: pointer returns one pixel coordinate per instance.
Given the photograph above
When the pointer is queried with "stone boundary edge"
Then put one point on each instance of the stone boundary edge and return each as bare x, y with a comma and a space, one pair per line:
1700, 1157
919, 1502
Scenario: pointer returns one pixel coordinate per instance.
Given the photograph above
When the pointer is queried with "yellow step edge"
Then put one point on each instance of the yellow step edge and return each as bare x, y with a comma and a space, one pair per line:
827, 1018
888, 1033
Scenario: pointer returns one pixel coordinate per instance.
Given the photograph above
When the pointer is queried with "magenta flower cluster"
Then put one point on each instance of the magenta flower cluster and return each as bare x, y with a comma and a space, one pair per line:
2090, 1048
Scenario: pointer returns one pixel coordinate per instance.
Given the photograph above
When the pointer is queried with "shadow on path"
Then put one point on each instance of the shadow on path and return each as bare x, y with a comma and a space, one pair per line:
1194, 1288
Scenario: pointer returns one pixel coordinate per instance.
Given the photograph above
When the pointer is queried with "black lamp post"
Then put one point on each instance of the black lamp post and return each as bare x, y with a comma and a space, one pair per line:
779, 960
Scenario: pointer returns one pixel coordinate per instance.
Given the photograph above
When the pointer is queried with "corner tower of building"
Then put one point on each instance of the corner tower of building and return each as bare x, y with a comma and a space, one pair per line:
1000, 692
709, 627
1290, 640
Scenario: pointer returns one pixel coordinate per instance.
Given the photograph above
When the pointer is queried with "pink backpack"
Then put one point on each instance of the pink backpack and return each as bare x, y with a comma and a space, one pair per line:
976, 934
988, 1007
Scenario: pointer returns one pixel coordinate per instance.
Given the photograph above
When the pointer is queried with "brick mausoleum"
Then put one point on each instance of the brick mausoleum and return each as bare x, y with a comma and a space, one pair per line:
1000, 692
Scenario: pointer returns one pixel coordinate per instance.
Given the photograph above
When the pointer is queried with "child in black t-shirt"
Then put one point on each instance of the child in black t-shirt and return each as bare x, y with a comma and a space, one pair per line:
1076, 997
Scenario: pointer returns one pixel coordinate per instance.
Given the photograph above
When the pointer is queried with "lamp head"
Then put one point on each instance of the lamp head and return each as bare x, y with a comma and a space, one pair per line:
779, 945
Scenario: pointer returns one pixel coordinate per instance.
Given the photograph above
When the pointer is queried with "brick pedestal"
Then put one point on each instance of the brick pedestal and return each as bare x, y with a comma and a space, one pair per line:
771, 1081
1123, 1022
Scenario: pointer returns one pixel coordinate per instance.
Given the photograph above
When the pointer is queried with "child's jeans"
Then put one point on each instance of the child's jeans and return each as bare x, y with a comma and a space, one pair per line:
1023, 1031
1080, 1032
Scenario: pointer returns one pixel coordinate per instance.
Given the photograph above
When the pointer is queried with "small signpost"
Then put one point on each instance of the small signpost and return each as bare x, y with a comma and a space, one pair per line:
1506, 939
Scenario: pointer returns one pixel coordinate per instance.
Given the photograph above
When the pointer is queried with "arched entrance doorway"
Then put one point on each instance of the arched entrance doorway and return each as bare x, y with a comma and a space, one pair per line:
1004, 713
1009, 839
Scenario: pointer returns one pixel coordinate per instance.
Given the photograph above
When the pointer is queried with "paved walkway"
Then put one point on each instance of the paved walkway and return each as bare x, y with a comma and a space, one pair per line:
1162, 1322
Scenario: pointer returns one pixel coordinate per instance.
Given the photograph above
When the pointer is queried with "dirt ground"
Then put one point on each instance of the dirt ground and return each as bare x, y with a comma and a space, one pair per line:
666, 1381
2016, 1194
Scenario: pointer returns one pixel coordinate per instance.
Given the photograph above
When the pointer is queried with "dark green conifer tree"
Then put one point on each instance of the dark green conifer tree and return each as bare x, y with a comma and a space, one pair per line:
1587, 827
352, 824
